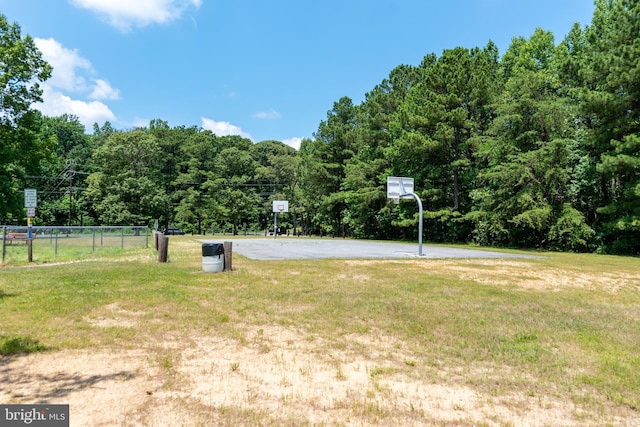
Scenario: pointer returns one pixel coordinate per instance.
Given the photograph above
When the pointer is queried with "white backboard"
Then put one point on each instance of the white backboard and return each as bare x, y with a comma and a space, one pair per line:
281, 206
399, 186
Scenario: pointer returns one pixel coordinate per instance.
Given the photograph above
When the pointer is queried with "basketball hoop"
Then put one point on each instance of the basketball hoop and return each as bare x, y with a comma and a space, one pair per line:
280, 206
403, 188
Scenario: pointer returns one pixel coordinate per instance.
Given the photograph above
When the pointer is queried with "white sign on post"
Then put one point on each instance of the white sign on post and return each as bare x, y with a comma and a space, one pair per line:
31, 212
30, 198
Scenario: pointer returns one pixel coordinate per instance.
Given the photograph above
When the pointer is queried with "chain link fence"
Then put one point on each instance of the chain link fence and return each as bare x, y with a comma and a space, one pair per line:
52, 241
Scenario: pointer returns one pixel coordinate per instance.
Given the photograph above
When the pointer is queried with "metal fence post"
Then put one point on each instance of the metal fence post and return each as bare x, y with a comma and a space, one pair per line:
4, 241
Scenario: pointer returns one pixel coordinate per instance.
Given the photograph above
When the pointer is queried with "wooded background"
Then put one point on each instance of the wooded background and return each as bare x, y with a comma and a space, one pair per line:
538, 147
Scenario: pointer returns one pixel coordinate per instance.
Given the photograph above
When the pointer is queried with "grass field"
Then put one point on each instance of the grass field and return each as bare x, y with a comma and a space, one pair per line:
60, 248
553, 340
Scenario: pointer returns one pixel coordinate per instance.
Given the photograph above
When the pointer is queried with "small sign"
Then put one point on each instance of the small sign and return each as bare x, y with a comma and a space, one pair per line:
31, 212
30, 198
280, 206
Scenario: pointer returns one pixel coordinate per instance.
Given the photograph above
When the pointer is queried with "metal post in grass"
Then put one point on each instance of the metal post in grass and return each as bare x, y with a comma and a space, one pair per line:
29, 240
122, 238
275, 225
93, 240
4, 240
55, 247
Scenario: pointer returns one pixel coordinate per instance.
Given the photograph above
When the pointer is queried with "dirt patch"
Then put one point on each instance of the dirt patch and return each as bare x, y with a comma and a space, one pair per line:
102, 388
113, 316
276, 374
526, 275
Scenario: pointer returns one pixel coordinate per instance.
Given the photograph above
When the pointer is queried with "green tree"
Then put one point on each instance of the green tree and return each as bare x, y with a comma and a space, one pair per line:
191, 188
368, 214
72, 143
586, 188
524, 197
278, 178
22, 69
324, 161
233, 186
612, 101
63, 177
125, 190
437, 129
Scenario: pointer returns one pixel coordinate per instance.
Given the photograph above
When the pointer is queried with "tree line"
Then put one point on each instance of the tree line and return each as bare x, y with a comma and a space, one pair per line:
537, 148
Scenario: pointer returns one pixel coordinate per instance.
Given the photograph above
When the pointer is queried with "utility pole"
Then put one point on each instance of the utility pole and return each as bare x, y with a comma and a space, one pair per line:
70, 173
70, 195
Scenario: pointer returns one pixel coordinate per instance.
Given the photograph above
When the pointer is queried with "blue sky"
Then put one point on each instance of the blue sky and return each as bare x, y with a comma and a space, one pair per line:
260, 69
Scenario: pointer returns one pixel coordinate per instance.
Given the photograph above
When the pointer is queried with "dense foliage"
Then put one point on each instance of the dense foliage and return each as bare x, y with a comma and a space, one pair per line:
539, 147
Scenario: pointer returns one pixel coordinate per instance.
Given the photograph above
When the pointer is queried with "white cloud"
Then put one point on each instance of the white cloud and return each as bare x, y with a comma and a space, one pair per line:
269, 115
73, 75
66, 63
125, 14
223, 128
103, 90
293, 142
55, 104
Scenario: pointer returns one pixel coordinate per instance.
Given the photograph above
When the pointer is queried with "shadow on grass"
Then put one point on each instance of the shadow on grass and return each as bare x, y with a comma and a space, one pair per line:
4, 295
51, 386
20, 345
47, 386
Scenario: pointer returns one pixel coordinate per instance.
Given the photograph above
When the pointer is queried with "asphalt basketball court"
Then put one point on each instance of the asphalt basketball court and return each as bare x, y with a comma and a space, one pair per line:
282, 248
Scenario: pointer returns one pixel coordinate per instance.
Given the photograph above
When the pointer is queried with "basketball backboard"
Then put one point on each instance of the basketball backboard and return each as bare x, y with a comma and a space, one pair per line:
280, 206
398, 187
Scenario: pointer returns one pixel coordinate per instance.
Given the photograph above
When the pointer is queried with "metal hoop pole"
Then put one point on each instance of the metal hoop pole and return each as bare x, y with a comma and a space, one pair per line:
415, 196
275, 225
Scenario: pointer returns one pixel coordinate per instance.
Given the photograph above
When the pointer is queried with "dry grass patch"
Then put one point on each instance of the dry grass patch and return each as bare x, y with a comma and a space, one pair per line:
112, 315
547, 341
204, 379
533, 276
